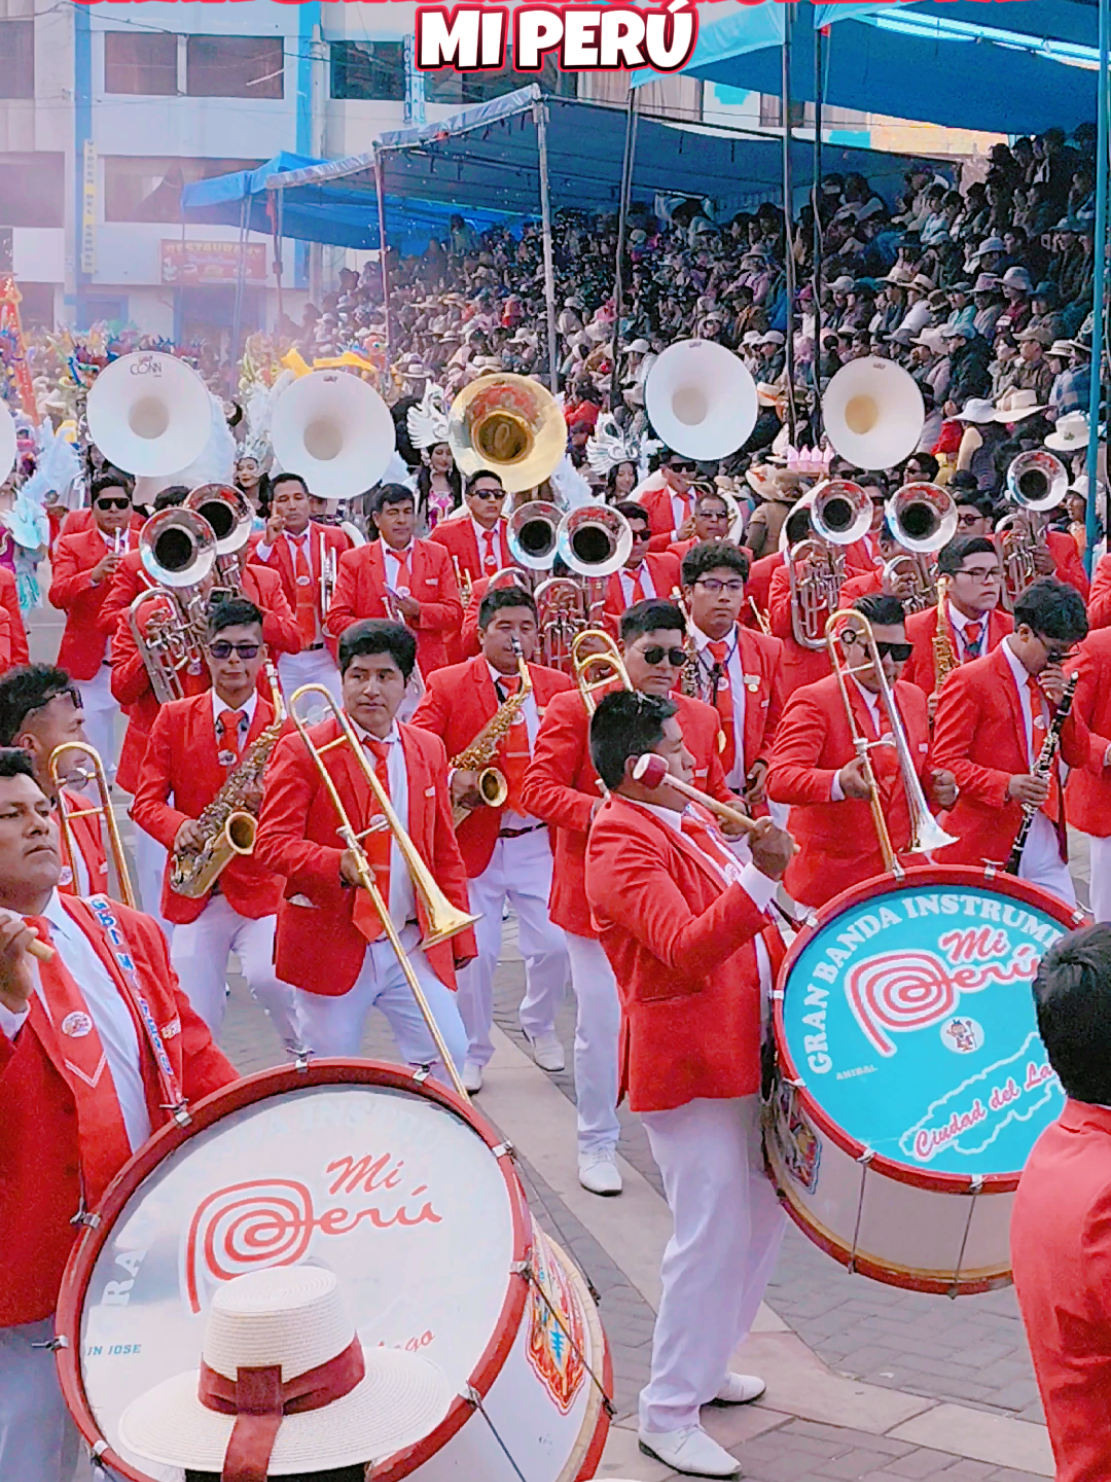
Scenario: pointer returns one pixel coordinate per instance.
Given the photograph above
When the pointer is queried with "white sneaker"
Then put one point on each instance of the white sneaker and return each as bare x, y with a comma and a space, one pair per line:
546, 1051
598, 1171
690, 1450
472, 1077
740, 1389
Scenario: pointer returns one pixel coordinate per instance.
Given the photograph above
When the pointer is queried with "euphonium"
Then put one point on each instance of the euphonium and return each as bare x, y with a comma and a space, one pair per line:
478, 756
840, 513
1036, 483
560, 614
228, 513
178, 550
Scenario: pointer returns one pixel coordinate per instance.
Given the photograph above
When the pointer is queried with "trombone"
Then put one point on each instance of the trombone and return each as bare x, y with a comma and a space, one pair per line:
606, 661
444, 919
103, 809
925, 832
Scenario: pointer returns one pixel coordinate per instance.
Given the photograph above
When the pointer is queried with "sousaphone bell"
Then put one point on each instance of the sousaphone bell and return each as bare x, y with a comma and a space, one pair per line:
149, 414
873, 413
335, 431
510, 425
701, 399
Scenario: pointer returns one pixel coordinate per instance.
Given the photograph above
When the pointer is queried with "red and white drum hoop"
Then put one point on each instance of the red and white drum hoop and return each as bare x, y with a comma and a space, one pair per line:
412, 1199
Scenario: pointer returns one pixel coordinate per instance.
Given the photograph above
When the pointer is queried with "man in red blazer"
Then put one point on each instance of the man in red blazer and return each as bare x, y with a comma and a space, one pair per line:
195, 746
645, 574
295, 547
330, 943
82, 568
477, 544
710, 520
816, 771
975, 624
507, 852
1088, 793
737, 671
801, 665
40, 708
693, 950
1060, 1247
668, 509
84, 1081
561, 787
401, 578
1099, 599
991, 723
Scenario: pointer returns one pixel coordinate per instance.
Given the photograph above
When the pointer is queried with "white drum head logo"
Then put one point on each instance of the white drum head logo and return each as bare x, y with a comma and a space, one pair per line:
962, 1036
77, 1025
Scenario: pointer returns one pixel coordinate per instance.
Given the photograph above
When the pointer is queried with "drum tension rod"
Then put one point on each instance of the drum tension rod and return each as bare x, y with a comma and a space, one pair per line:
974, 1189
472, 1396
526, 1269
52, 1345
865, 1161
504, 1148
85, 1217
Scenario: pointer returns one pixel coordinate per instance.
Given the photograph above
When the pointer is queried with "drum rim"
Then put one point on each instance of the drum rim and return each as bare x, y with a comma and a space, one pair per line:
1068, 917
249, 1090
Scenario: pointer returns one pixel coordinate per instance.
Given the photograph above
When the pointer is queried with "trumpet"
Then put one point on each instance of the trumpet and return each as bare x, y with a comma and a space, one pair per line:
846, 628
605, 661
329, 564
462, 581
1036, 483
67, 815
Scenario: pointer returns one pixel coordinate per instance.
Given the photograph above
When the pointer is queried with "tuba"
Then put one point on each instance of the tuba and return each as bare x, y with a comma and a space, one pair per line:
149, 414
840, 513
1036, 483
532, 534
873, 413
922, 517
509, 424
701, 399
560, 615
335, 430
178, 551
230, 516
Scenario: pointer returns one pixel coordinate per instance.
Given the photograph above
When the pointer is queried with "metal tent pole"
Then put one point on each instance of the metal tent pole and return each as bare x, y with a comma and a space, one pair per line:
1100, 250
622, 224
380, 190
788, 202
237, 311
540, 116
816, 280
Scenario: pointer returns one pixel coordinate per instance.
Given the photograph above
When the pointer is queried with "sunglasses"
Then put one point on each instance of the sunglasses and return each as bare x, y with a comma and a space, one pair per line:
656, 654
106, 502
682, 467
221, 649
487, 493
900, 652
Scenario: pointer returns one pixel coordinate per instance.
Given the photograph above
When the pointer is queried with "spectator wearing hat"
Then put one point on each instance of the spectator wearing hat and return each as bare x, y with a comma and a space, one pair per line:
917, 315
961, 308
968, 366
1071, 364
1017, 313
981, 436
988, 304
989, 255
1034, 372
1044, 301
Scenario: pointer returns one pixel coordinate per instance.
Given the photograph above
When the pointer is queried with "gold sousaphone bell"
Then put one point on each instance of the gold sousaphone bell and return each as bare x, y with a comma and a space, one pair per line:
510, 425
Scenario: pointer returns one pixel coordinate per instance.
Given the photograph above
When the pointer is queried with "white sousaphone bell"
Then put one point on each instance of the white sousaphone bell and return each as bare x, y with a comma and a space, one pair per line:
873, 413
149, 414
335, 431
8, 447
701, 400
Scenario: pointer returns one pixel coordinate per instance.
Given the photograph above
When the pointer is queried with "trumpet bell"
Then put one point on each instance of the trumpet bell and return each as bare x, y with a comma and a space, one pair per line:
840, 512
8, 446
149, 414
177, 548
701, 399
922, 517
334, 430
594, 540
1037, 480
873, 413
532, 534
509, 424
227, 511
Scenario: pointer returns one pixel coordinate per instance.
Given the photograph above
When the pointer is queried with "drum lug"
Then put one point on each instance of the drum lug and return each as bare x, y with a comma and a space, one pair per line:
52, 1345
301, 1057
420, 1075
85, 1218
180, 1113
521, 1268
504, 1149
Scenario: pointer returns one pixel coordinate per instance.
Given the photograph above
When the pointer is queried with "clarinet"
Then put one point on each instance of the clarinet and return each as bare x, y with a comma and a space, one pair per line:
1046, 758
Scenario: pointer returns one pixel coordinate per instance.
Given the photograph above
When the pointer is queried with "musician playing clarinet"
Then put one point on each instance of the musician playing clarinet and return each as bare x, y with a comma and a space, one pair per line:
96, 1047
686, 931
992, 722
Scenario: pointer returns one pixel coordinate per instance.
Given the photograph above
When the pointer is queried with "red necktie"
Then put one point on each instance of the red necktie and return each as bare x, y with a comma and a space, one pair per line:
638, 593
687, 502
227, 725
306, 593
1052, 805
723, 701
513, 752
490, 559
973, 632
698, 825
376, 846
402, 579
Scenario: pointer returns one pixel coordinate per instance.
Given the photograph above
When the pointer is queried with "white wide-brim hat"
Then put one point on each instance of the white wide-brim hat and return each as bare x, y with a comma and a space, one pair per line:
1070, 433
295, 1317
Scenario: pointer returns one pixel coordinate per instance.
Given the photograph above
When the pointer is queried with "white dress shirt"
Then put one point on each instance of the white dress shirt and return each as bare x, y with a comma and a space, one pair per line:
628, 574
111, 1015
1042, 838
960, 623
247, 709
734, 673
510, 819
403, 900
480, 542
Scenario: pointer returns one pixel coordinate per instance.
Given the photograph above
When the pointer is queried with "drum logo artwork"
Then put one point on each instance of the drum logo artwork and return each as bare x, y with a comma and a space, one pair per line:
556, 1334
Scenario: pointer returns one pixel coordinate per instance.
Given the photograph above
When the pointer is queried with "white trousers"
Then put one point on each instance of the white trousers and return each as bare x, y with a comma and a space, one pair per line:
520, 872
199, 953
1099, 851
314, 666
150, 867
727, 1232
101, 712
334, 1026
1041, 861
597, 1023
38, 1440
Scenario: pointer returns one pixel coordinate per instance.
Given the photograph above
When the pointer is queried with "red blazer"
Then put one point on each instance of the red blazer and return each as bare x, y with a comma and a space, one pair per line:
801, 666
1099, 599
921, 632
680, 943
457, 704
280, 561
663, 569
1088, 791
861, 584
1061, 1252
88, 837
661, 519
17, 635
77, 521
181, 762
360, 593
837, 841
459, 539
1067, 559
758, 587
39, 1153
297, 838
81, 652
561, 787
978, 736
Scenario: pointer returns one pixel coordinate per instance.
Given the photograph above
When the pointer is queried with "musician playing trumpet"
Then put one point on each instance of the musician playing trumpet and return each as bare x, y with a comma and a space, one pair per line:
196, 747
507, 852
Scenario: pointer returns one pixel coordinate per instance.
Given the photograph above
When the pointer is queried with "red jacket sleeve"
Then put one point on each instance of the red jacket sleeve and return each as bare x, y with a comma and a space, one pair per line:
123, 591
558, 755
280, 632
955, 724
9, 599
434, 709
130, 680
793, 774
311, 869
1099, 599
150, 809
68, 580
1066, 557
779, 604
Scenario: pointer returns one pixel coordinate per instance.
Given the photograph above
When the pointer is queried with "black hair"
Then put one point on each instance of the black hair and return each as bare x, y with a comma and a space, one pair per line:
712, 494
390, 494
378, 636
494, 601
170, 498
356, 1473
653, 615
424, 486
25, 689
109, 480
626, 723
483, 473
1072, 994
952, 557
797, 526
287, 478
631, 510
1053, 609
233, 612
927, 462
611, 476
709, 554
881, 610
16, 763
964, 487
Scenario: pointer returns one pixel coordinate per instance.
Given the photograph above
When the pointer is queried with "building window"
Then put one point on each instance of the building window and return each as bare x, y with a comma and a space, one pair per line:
462, 88
36, 309
17, 59
234, 67
369, 71
142, 62
137, 188
32, 189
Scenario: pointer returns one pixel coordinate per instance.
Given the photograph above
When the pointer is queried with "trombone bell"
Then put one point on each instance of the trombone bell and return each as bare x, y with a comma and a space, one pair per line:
597, 669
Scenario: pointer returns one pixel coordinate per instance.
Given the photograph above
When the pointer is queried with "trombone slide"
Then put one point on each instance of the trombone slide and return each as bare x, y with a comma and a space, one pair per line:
103, 809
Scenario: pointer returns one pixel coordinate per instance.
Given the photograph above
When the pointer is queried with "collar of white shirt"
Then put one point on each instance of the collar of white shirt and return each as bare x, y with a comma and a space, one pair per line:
364, 736
702, 641
961, 622
1018, 669
248, 707
401, 555
56, 914
299, 538
481, 533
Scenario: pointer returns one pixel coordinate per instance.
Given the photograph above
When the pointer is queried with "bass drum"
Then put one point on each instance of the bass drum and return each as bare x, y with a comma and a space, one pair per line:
411, 1199
910, 1081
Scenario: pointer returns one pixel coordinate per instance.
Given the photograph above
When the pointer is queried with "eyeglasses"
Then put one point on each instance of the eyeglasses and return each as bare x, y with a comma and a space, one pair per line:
656, 653
1056, 655
222, 649
683, 467
106, 502
713, 585
966, 521
982, 573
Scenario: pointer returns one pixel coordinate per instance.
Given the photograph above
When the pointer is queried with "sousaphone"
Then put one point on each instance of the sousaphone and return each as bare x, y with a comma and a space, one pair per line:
701, 400
510, 425
873, 413
335, 431
149, 414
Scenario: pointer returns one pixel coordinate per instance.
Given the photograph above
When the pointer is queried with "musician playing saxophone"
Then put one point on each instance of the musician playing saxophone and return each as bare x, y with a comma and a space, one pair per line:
506, 851
195, 745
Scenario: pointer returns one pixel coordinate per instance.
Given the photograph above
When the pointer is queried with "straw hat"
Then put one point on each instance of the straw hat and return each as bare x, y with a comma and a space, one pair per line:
1070, 433
291, 1319
1016, 406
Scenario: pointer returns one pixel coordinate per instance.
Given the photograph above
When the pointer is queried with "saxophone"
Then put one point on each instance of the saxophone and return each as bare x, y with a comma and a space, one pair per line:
229, 826
478, 756
945, 655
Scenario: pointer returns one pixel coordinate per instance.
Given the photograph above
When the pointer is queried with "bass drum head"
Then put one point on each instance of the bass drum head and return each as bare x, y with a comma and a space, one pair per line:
400, 1190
